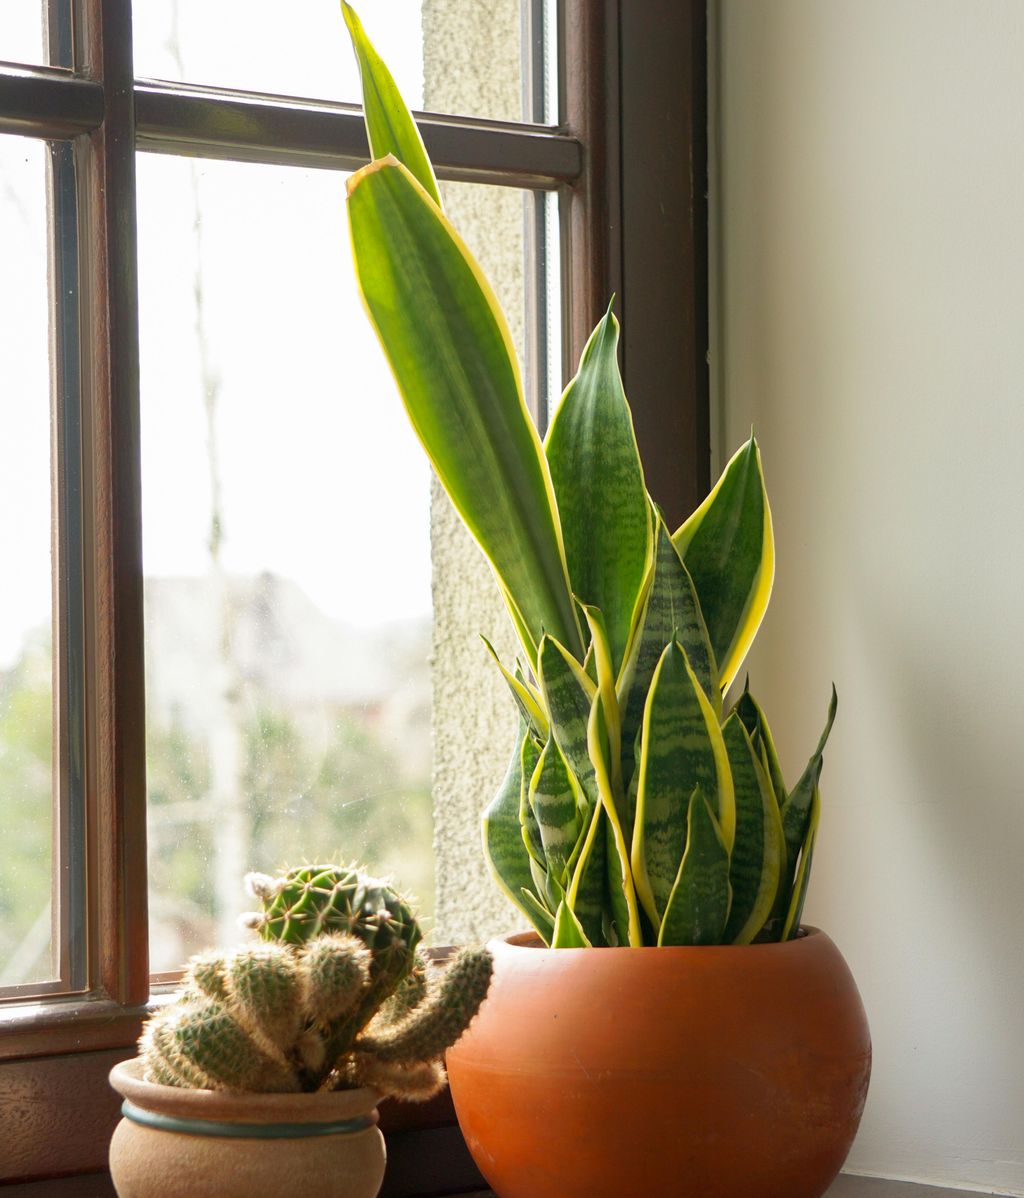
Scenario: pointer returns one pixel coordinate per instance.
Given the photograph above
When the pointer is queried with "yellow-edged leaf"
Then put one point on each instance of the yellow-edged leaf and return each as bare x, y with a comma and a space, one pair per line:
729, 549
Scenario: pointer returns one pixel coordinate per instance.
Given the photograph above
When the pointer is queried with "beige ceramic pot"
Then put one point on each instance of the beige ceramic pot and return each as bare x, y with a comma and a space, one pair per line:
218, 1144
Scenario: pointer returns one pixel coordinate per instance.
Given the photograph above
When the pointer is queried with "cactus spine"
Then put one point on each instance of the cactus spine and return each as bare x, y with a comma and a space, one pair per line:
334, 996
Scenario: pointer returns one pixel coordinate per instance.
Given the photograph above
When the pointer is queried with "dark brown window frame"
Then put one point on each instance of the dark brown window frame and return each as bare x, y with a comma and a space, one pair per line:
628, 160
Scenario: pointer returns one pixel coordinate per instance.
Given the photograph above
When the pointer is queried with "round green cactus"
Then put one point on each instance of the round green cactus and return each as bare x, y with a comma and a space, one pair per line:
308, 901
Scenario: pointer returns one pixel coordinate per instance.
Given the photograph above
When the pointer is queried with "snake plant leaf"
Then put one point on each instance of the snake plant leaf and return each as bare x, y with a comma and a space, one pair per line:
503, 841
698, 905
546, 886
553, 803
754, 722
803, 873
526, 698
759, 851
681, 748
728, 547
796, 810
621, 891
599, 486
452, 356
672, 613
586, 890
541, 918
568, 694
568, 931
390, 128
528, 830
611, 713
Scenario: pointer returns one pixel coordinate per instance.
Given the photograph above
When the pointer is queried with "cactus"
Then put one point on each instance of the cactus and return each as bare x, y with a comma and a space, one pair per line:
335, 996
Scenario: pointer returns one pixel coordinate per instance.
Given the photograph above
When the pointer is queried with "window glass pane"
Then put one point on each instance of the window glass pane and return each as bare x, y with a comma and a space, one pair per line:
447, 55
21, 31
287, 555
26, 693
286, 526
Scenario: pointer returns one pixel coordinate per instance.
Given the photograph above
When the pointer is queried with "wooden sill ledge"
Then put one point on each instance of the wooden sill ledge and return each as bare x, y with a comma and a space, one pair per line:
98, 1185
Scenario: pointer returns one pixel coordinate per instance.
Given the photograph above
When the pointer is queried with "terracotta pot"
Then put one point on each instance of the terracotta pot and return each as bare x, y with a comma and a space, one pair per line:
220, 1144
722, 1072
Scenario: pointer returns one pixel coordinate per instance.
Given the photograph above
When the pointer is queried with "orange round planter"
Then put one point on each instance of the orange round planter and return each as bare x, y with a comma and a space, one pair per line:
720, 1072
175, 1143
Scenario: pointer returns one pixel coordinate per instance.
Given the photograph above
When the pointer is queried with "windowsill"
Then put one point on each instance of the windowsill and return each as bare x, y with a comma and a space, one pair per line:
847, 1186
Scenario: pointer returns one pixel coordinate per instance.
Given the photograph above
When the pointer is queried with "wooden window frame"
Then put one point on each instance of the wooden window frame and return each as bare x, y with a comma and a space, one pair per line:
629, 161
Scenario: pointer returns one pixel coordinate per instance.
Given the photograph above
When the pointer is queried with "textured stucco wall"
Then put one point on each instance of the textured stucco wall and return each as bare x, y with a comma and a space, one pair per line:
474, 720
870, 202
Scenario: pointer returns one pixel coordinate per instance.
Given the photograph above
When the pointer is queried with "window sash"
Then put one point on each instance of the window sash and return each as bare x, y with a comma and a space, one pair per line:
630, 135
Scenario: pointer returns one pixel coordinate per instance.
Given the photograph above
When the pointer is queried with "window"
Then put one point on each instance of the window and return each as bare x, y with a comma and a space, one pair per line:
604, 186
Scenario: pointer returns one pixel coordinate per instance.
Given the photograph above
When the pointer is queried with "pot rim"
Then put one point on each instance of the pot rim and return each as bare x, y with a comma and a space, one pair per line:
241, 1107
530, 941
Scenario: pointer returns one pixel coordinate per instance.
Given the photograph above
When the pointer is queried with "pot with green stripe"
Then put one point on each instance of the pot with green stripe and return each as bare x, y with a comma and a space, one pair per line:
228, 1144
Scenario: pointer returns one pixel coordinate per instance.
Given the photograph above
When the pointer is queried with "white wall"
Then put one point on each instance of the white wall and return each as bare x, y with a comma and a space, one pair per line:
869, 204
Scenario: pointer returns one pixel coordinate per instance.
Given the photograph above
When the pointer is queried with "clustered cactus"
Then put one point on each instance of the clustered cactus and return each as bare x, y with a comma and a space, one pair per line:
336, 995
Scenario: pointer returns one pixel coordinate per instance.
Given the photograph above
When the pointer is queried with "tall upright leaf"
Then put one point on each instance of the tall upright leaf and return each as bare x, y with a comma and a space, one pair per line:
503, 840
553, 803
568, 695
622, 896
728, 547
390, 128
759, 851
452, 356
681, 748
523, 694
671, 613
698, 904
599, 485
753, 719
796, 811
803, 874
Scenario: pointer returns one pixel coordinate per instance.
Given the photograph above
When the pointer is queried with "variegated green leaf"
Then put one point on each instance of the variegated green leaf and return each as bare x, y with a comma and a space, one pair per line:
538, 914
803, 873
681, 748
610, 711
526, 698
390, 128
528, 830
796, 810
754, 722
599, 485
503, 841
586, 891
621, 891
553, 804
671, 613
759, 851
698, 905
728, 547
568, 694
569, 931
452, 355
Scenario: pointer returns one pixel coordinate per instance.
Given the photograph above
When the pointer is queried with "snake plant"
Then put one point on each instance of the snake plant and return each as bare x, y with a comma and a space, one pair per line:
636, 809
